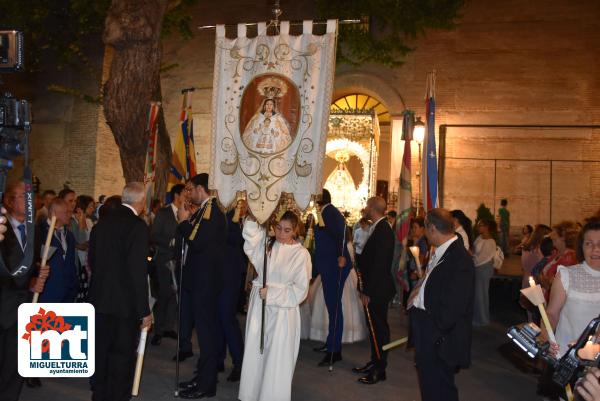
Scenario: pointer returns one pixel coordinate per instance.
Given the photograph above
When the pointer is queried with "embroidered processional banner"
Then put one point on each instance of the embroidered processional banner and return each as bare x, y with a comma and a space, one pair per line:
270, 111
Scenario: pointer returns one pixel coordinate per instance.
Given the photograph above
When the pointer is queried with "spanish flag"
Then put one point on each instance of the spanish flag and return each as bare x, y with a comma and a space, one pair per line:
151, 149
183, 163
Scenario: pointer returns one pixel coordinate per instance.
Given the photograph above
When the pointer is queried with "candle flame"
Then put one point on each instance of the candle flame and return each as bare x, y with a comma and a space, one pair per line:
531, 281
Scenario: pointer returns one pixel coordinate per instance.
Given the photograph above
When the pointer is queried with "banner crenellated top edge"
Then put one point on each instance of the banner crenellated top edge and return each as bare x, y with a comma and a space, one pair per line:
284, 28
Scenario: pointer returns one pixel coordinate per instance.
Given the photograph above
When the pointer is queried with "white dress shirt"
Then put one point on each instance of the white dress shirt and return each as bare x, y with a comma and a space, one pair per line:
131, 207
436, 258
175, 209
375, 224
14, 223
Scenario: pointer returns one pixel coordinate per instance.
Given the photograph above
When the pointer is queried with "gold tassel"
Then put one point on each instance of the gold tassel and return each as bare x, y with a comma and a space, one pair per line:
280, 213
320, 218
308, 239
208, 210
236, 214
205, 216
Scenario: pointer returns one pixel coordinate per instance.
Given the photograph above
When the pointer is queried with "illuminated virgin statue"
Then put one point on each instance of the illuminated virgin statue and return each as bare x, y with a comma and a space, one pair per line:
341, 185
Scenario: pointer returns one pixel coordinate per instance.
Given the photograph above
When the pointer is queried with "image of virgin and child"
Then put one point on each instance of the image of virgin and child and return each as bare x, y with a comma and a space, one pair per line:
267, 131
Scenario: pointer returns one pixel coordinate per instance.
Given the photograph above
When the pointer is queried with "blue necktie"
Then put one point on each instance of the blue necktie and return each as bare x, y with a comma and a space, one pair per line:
21, 228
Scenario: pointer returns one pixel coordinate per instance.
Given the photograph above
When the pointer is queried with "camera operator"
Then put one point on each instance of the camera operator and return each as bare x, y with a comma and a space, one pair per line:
14, 291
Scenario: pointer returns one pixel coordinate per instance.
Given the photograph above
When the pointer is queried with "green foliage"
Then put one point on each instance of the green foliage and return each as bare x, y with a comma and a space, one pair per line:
60, 33
179, 19
387, 26
57, 32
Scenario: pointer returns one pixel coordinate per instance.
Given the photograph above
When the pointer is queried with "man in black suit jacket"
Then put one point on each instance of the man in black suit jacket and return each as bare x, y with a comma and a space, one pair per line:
205, 234
119, 292
162, 236
378, 286
441, 309
13, 290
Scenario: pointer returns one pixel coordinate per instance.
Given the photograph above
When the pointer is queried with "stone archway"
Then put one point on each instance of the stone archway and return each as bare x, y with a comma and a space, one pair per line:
372, 85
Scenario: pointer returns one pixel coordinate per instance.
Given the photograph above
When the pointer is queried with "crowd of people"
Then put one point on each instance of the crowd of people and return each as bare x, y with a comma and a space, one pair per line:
317, 279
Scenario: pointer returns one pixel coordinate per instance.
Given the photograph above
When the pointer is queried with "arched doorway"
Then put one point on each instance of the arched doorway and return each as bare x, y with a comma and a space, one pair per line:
350, 166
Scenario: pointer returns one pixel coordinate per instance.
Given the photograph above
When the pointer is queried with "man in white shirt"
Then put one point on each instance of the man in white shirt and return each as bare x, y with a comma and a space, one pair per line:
441, 310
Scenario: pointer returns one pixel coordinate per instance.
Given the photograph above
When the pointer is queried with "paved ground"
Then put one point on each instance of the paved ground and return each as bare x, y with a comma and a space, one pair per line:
493, 377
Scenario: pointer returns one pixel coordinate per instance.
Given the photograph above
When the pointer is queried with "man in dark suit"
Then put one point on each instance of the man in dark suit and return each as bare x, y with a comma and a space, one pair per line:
205, 234
119, 292
332, 262
14, 290
230, 335
62, 283
441, 309
162, 236
378, 286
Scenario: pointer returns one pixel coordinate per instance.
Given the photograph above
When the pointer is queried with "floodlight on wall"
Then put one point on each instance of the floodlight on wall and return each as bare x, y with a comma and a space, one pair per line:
419, 131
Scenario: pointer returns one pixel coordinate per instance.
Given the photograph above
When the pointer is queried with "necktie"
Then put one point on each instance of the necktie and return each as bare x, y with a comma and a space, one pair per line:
23, 235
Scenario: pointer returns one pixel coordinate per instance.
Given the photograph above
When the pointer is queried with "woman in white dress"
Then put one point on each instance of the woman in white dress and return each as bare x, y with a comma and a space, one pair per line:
484, 250
355, 326
575, 296
267, 131
268, 376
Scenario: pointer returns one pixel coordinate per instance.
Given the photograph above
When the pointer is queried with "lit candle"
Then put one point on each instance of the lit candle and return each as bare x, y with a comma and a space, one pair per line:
415, 252
539, 296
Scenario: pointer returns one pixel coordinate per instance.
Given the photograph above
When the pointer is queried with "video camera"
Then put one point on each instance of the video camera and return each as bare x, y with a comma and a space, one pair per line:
15, 116
571, 365
15, 127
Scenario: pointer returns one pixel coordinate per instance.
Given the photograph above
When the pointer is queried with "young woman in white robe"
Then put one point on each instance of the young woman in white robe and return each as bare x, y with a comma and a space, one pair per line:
268, 376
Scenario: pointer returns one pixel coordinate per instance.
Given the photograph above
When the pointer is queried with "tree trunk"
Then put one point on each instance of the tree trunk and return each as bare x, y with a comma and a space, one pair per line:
133, 29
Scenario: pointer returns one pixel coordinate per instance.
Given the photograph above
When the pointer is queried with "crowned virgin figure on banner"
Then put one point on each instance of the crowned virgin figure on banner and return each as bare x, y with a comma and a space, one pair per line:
270, 112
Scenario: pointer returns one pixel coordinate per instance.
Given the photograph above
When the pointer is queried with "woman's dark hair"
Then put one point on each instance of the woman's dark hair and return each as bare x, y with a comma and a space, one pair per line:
546, 246
465, 223
591, 224
264, 106
293, 218
529, 229
111, 204
491, 225
569, 231
538, 234
64, 192
420, 221
83, 201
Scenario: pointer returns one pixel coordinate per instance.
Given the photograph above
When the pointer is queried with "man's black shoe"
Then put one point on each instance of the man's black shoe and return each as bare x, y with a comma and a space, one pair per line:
183, 355
322, 348
364, 369
195, 393
330, 358
170, 334
372, 378
156, 339
235, 374
189, 384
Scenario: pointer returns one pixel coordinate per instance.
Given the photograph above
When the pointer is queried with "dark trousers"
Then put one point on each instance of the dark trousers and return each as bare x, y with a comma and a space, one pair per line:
379, 312
186, 324
436, 378
166, 302
116, 340
206, 321
230, 334
333, 287
10, 381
